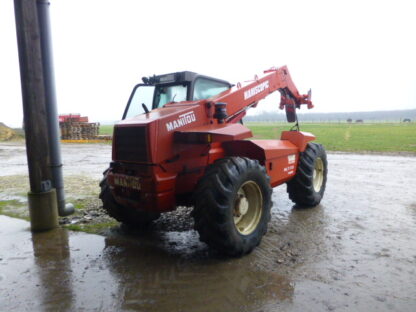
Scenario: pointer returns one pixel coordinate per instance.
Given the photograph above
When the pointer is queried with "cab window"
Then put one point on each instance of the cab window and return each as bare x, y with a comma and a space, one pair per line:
167, 94
141, 95
206, 88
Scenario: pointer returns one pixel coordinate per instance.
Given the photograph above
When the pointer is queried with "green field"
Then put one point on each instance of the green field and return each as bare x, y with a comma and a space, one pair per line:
106, 129
372, 137
381, 137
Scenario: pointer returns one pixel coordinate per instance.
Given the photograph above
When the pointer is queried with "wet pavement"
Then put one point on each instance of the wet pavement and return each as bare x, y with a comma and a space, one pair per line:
78, 159
354, 252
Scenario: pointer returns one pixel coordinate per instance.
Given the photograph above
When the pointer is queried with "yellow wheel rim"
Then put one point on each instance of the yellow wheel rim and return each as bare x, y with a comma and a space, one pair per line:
318, 174
248, 208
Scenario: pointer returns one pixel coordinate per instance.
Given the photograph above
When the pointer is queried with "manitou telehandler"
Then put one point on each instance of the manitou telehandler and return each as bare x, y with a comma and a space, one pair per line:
182, 142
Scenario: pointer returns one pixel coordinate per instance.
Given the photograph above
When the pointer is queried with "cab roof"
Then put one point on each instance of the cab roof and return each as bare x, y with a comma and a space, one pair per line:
178, 77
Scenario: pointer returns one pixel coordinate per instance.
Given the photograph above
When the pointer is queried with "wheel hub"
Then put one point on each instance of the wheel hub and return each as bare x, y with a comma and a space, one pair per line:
318, 174
248, 208
241, 206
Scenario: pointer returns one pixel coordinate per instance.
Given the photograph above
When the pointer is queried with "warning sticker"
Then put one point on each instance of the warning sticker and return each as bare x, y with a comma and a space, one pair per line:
289, 169
291, 159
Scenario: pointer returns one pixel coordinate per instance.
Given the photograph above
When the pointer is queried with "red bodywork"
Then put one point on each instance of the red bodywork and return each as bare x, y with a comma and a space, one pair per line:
160, 156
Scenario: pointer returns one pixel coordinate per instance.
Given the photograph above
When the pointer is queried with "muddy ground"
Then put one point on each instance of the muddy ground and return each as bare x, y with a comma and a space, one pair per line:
354, 252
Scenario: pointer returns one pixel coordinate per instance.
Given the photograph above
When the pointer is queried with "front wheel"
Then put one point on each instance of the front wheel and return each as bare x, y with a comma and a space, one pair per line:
232, 205
307, 188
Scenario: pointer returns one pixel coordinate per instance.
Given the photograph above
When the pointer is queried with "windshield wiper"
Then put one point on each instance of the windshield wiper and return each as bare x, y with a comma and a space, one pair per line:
146, 110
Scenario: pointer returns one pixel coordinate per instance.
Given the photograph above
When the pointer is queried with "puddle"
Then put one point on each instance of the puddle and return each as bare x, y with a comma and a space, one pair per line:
58, 270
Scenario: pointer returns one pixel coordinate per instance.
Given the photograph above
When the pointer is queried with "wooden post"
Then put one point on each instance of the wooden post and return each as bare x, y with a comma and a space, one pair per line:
42, 197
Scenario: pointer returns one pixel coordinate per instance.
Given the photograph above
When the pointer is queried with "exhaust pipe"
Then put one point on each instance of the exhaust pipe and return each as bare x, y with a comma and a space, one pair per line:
52, 116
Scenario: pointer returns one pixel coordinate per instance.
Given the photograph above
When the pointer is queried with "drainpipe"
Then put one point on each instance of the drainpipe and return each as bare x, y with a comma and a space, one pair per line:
52, 115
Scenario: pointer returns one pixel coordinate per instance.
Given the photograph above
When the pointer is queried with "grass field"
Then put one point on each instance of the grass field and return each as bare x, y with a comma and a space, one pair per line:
106, 129
373, 137
382, 137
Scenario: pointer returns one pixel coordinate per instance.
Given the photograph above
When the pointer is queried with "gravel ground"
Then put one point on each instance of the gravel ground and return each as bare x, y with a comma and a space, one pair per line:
354, 252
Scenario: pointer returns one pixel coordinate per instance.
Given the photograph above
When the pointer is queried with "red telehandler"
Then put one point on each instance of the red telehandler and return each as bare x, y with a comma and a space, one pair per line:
182, 142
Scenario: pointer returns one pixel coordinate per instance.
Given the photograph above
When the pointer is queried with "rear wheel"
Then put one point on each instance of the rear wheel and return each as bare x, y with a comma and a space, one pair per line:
128, 216
308, 186
232, 205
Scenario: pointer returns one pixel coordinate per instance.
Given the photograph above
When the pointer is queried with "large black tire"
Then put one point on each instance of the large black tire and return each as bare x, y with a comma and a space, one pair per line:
307, 188
126, 215
232, 205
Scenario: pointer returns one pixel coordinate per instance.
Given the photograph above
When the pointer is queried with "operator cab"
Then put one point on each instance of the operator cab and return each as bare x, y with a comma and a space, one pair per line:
156, 91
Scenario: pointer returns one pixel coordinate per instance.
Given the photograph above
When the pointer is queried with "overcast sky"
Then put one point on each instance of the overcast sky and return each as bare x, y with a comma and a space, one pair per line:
355, 55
